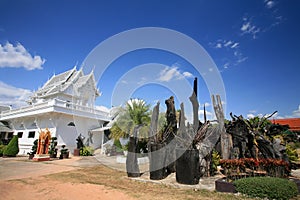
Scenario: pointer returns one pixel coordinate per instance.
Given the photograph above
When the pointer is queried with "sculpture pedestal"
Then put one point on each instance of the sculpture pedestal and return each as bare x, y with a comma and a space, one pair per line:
41, 157
76, 152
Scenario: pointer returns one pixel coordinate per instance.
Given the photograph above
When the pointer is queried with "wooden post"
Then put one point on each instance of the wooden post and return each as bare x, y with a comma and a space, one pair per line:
226, 140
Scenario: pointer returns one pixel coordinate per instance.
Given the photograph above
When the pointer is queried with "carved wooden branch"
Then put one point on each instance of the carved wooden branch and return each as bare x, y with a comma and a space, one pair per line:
152, 135
195, 104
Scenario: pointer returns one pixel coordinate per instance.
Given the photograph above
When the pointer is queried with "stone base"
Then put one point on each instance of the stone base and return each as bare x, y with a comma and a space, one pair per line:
222, 185
41, 157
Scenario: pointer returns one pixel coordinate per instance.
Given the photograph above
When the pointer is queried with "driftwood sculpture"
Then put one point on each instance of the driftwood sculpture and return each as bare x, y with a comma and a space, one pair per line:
132, 166
201, 136
255, 140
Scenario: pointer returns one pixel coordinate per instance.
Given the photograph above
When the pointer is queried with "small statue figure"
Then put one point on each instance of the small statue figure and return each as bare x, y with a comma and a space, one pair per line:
79, 140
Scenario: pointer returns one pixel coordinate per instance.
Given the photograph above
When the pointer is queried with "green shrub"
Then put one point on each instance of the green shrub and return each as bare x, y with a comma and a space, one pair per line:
267, 187
2, 148
118, 145
86, 151
12, 148
292, 153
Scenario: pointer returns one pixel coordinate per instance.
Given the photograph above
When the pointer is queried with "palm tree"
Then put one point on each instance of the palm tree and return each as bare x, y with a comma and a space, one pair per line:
132, 121
135, 114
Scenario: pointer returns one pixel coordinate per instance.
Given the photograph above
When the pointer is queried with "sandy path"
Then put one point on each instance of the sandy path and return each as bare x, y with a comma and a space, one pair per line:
21, 179
41, 188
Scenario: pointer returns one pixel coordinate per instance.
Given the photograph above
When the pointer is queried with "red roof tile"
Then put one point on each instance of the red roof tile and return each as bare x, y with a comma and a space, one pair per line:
294, 123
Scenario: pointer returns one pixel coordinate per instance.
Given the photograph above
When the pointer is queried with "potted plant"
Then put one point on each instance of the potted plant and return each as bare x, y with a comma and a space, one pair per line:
52, 148
33, 149
64, 152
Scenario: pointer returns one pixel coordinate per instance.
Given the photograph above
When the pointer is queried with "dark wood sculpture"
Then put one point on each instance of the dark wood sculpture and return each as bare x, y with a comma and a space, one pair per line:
132, 166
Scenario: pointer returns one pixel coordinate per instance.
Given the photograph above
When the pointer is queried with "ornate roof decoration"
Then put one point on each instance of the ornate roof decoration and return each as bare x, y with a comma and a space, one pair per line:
62, 82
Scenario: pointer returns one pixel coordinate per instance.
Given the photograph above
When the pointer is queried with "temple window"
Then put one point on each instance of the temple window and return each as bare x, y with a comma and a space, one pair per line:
31, 134
20, 134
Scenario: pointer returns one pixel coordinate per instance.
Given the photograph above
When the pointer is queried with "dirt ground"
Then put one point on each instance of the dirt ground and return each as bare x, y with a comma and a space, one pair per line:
79, 178
42, 188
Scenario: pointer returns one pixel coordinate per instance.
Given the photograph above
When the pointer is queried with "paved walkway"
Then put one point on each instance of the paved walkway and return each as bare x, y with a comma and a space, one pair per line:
21, 167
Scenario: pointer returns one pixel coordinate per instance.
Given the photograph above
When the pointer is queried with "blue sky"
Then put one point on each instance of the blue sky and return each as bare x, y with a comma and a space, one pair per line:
254, 44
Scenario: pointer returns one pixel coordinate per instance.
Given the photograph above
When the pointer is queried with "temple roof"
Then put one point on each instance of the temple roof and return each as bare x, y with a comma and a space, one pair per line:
293, 123
4, 127
61, 82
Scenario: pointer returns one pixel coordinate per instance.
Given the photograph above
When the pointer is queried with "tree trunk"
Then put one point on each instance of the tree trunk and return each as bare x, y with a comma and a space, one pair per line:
226, 140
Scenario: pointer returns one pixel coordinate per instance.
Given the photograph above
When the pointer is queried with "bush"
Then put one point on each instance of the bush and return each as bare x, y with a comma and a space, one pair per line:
12, 148
2, 148
267, 187
52, 147
86, 151
118, 145
292, 153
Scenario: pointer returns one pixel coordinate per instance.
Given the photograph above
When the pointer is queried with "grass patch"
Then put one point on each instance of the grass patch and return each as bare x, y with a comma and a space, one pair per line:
117, 180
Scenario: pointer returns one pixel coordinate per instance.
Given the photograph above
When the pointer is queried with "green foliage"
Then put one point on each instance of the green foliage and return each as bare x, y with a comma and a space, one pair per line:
297, 145
135, 113
125, 147
52, 147
12, 148
215, 160
292, 153
117, 132
118, 145
34, 147
138, 111
86, 151
2, 149
64, 150
258, 124
267, 187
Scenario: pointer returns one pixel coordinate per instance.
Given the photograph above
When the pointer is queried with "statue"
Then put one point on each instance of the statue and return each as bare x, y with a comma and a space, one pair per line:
43, 146
79, 140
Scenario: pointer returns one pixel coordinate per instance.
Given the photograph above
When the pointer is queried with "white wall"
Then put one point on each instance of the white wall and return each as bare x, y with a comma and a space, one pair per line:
58, 126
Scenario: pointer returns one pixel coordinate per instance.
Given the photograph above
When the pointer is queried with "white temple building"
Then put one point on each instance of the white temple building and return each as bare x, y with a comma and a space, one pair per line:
66, 106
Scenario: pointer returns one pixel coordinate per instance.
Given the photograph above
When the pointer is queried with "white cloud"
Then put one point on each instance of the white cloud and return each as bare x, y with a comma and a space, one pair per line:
241, 59
218, 45
207, 104
170, 73
252, 111
296, 113
10, 95
250, 115
224, 44
226, 65
201, 112
232, 47
227, 43
249, 28
269, 4
235, 45
17, 56
102, 108
187, 74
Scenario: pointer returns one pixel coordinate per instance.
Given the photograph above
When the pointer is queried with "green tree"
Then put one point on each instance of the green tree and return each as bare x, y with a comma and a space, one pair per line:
12, 148
135, 113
